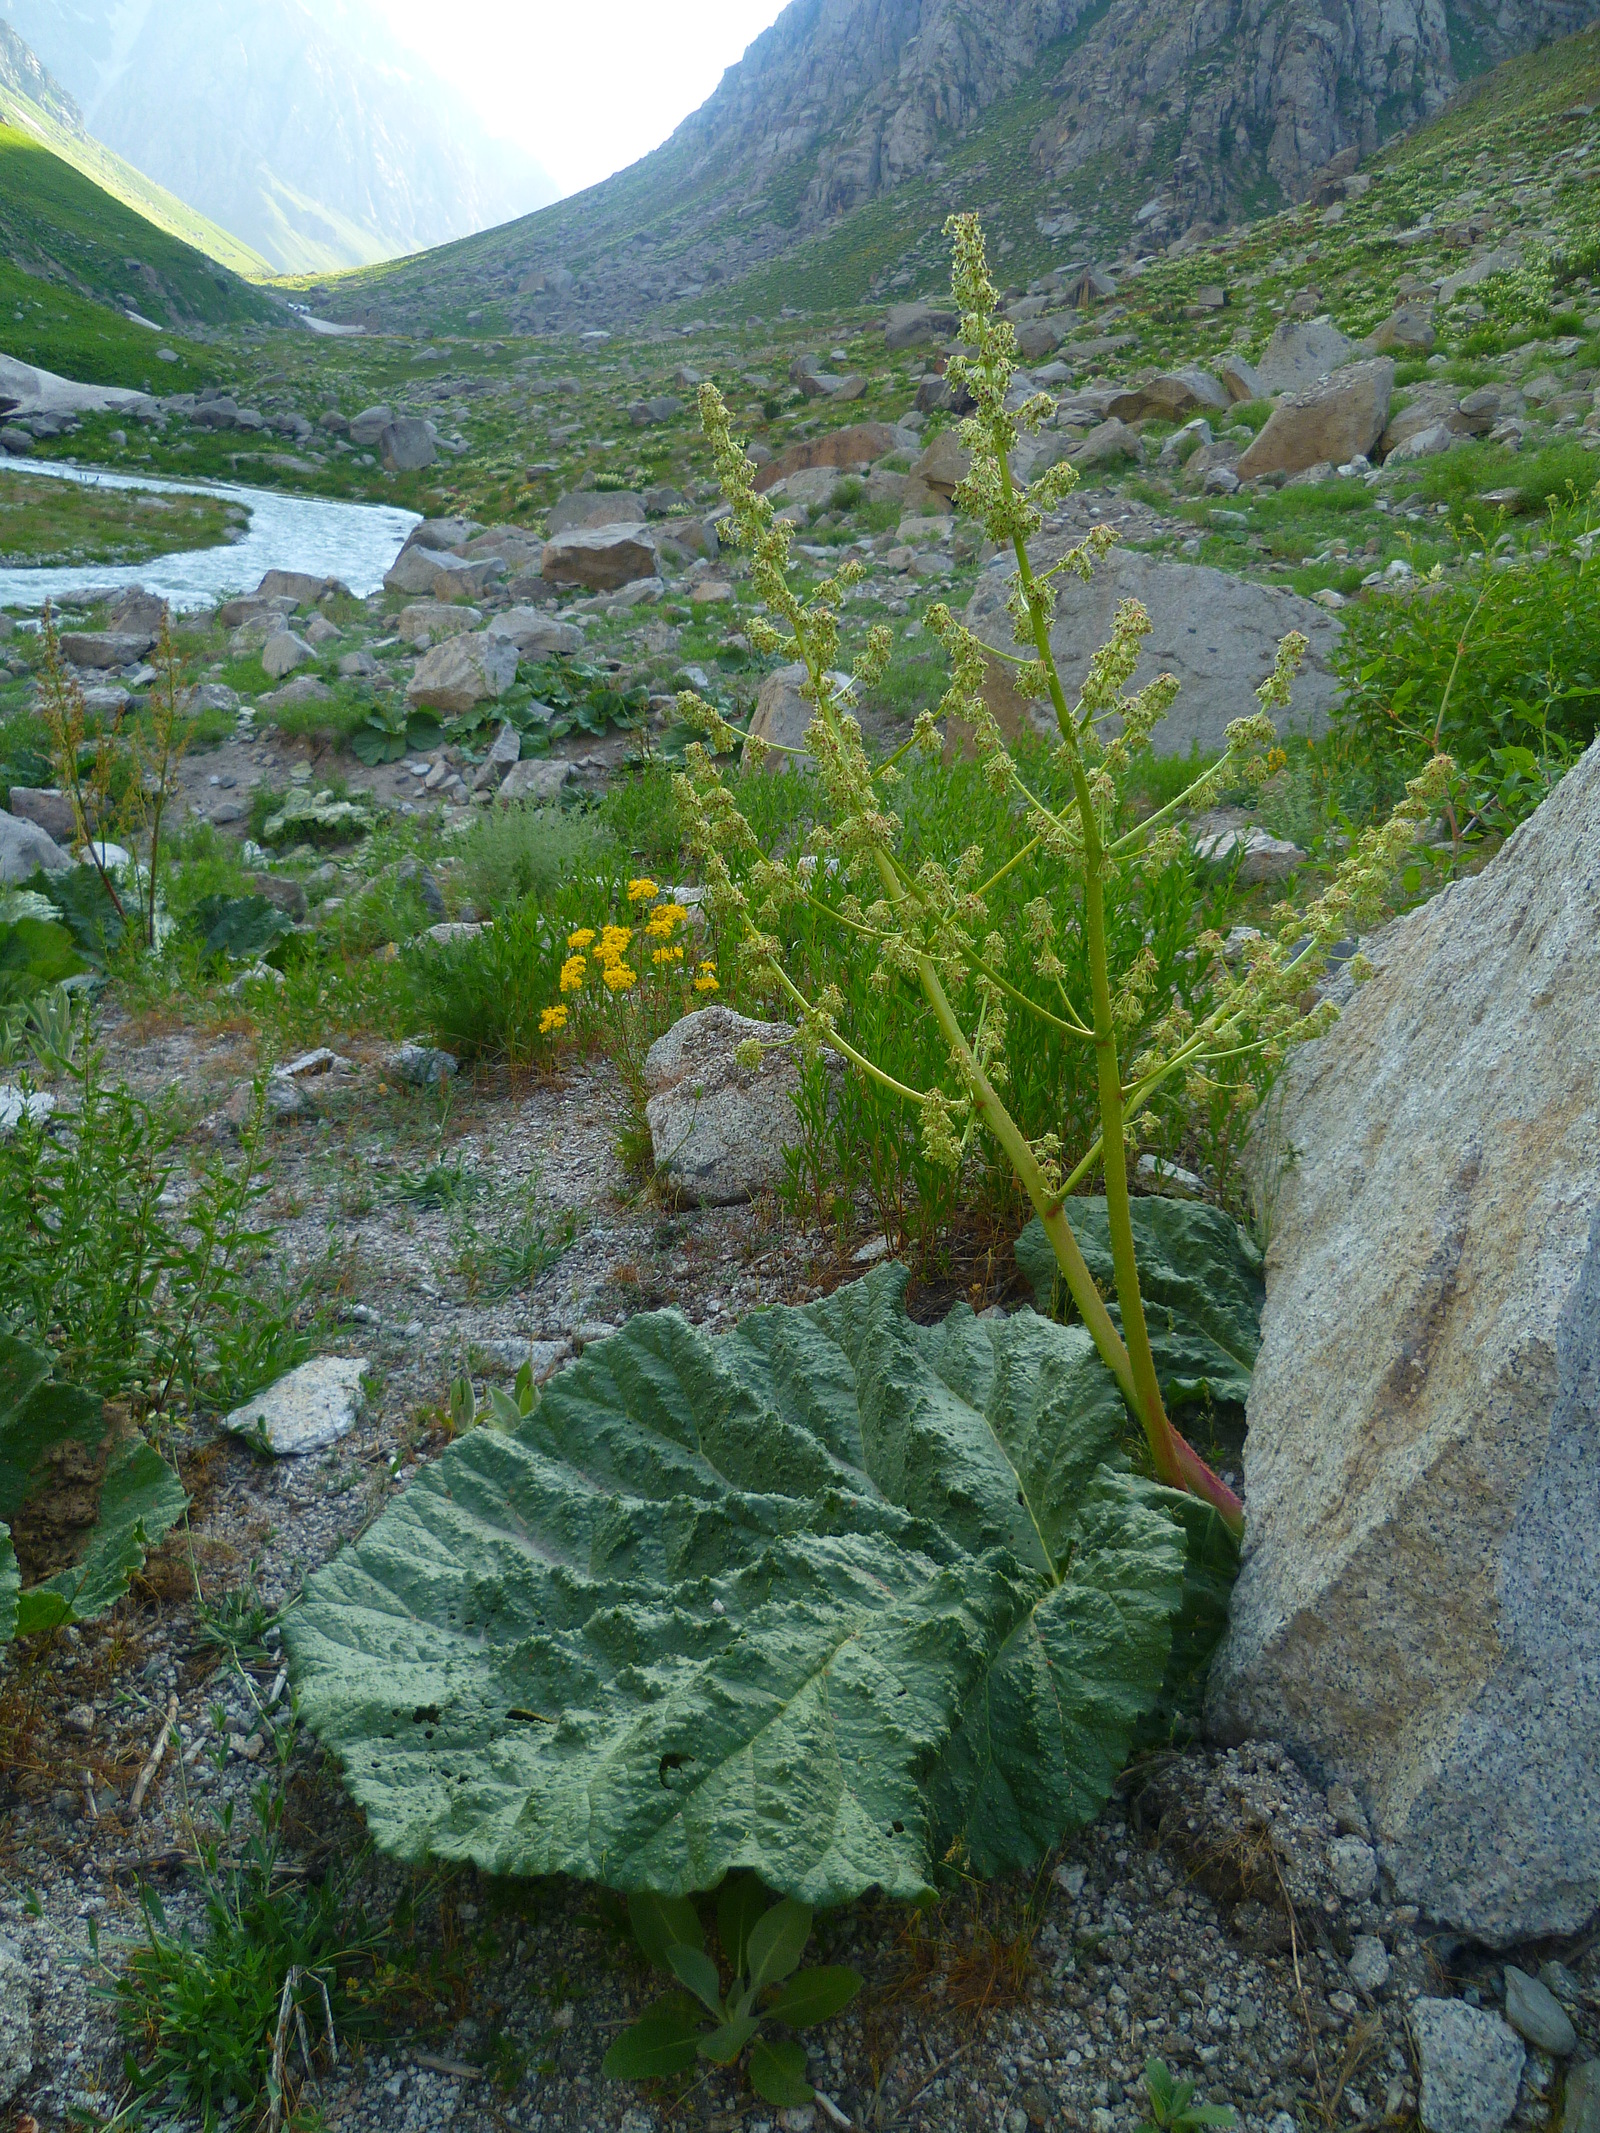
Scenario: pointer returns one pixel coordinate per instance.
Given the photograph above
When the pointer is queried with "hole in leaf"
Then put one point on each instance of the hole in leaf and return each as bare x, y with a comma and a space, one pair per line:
671, 1762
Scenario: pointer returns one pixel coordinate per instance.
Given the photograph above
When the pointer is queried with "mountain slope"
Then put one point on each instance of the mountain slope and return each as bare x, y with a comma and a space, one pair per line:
296, 124
1080, 127
33, 102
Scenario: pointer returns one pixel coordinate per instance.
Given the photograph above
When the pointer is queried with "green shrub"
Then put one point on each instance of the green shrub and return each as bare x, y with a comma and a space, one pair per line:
515, 852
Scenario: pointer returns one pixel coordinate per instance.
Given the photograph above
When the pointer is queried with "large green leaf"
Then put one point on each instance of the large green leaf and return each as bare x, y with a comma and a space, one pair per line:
35, 1415
242, 928
141, 1500
817, 1599
87, 910
35, 953
1200, 1277
10, 1586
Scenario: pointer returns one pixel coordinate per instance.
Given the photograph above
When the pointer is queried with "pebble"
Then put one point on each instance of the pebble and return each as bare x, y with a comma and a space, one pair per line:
423, 1065
1369, 1964
1534, 2012
1354, 1865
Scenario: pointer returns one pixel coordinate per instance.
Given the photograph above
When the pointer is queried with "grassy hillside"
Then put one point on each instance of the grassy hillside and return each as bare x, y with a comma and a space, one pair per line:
65, 250
117, 177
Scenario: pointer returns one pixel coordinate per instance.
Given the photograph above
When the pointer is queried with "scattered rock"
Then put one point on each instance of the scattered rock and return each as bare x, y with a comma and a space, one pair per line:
313, 1406
945, 464
105, 648
283, 652
535, 782
1217, 633
1241, 380
909, 324
1417, 1594
296, 585
603, 558
595, 507
423, 1065
34, 1105
857, 446
1534, 2012
430, 619
1426, 443
534, 633
1369, 1963
1300, 352
1264, 858
1471, 2066
47, 806
1411, 330
433, 570
25, 848
462, 672
1109, 444
407, 445
306, 689
1171, 397
1335, 419
719, 1129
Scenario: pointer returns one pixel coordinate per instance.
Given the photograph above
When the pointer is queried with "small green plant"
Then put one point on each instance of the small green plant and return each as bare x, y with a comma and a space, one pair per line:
761, 1947
1172, 2106
514, 1244
241, 2015
498, 1409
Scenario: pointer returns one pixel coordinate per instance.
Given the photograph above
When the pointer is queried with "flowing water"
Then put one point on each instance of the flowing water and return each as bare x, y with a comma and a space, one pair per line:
355, 542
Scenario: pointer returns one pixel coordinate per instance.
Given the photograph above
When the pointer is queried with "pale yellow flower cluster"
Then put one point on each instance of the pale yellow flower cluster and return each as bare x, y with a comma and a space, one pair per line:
606, 951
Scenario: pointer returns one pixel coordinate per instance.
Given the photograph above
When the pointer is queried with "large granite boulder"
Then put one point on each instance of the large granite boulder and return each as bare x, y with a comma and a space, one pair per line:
24, 848
1217, 633
857, 446
599, 558
595, 507
1418, 1612
719, 1129
461, 672
406, 445
1331, 421
1300, 352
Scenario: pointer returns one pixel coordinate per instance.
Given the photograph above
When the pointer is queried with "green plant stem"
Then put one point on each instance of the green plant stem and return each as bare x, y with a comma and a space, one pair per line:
1175, 1460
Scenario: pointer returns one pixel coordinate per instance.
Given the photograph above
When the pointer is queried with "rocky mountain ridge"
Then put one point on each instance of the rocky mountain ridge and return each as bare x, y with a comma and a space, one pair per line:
1111, 128
303, 130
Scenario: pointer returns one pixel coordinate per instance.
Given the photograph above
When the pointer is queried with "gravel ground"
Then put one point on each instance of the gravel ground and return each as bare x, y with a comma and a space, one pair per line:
1222, 1914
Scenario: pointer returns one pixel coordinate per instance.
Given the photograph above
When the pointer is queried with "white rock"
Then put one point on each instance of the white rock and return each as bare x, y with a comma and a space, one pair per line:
311, 1407
1265, 858
1419, 1598
25, 848
719, 1129
535, 782
16, 1104
283, 652
1471, 2066
1369, 1964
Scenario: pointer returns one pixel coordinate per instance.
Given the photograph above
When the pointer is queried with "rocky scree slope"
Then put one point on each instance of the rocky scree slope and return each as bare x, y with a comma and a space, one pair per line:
1110, 126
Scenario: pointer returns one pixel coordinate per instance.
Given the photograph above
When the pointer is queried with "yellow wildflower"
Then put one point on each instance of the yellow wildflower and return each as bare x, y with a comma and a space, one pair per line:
552, 1019
707, 980
582, 938
642, 891
667, 955
573, 972
619, 977
613, 942
663, 919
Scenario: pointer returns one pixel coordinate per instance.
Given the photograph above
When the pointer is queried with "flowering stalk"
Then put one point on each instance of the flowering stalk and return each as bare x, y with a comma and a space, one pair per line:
925, 922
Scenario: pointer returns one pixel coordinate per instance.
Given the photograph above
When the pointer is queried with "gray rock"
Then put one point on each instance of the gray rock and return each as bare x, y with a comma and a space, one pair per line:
719, 1129
1264, 858
782, 716
536, 782
602, 558
407, 445
1109, 444
1241, 380
1471, 2065
105, 648
462, 672
24, 848
16, 2023
534, 633
434, 570
1172, 396
135, 612
1534, 2012
367, 427
1504, 260
1217, 633
304, 690
1354, 1866
1426, 443
283, 652
1300, 352
47, 806
908, 324
1333, 420
423, 1065
1411, 330
1581, 2105
1369, 1963
595, 507
504, 750
35, 1105
424, 620
296, 585
1420, 1590
311, 1407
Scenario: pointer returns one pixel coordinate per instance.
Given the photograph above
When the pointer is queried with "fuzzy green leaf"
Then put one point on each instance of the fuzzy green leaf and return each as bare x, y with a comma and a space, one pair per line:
662, 1923
777, 1942
740, 1902
141, 1499
736, 1604
35, 953
1200, 1277
722, 2046
660, 2042
694, 1968
814, 1995
778, 2072
35, 1416
240, 928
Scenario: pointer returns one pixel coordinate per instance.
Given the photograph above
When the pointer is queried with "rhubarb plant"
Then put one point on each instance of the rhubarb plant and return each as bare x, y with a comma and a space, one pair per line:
926, 926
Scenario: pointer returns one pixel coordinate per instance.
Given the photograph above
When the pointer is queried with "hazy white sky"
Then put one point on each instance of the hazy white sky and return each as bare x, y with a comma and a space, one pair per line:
585, 86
